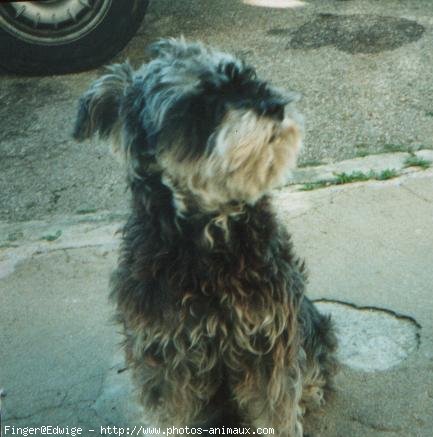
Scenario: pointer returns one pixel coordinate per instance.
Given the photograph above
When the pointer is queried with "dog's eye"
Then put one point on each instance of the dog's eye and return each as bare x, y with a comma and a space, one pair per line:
272, 109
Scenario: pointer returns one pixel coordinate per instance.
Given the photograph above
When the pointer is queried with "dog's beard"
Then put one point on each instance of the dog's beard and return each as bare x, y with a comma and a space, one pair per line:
250, 155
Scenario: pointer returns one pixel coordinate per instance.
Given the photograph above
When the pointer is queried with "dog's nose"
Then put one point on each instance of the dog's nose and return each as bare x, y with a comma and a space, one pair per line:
272, 109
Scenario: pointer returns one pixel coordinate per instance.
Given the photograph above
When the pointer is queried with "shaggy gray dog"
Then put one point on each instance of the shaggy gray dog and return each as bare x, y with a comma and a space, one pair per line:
208, 290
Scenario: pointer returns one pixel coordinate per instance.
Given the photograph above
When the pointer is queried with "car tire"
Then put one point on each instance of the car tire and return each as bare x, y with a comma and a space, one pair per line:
64, 36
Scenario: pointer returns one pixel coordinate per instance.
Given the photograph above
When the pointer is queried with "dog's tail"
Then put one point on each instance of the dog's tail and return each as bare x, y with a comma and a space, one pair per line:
99, 107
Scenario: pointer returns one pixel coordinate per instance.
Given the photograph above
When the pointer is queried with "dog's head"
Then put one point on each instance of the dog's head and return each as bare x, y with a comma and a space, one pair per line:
200, 118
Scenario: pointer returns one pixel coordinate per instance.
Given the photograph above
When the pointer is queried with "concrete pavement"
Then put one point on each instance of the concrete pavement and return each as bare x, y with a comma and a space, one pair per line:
368, 246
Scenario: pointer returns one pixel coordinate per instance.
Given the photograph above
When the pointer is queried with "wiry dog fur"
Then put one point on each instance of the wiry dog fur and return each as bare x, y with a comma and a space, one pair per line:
208, 289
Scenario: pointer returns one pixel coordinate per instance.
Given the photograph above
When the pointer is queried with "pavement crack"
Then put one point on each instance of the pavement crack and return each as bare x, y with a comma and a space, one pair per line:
418, 196
63, 402
60, 404
373, 308
416, 327
50, 408
377, 426
99, 393
67, 248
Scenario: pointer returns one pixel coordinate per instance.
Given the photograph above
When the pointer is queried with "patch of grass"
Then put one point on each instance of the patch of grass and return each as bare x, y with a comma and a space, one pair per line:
429, 113
14, 236
362, 150
415, 161
362, 153
316, 185
311, 163
7, 245
347, 178
52, 237
87, 211
396, 148
386, 174
356, 176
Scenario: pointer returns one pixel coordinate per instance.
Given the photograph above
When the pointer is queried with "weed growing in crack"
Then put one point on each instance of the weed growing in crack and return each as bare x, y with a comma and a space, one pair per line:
356, 176
52, 237
347, 178
386, 174
415, 161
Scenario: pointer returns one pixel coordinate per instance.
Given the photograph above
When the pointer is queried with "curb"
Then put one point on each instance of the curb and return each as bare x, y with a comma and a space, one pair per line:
368, 166
22, 240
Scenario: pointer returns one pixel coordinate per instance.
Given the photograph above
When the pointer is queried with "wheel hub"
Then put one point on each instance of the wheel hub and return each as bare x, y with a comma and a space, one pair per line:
52, 21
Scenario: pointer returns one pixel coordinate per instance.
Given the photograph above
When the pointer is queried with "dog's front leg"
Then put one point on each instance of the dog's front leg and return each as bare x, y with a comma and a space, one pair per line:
271, 401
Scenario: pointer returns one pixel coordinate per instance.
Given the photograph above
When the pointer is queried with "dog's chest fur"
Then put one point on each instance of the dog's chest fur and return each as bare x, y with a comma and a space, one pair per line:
182, 297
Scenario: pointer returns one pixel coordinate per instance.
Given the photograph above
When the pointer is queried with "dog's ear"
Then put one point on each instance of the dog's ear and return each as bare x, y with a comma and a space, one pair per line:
99, 107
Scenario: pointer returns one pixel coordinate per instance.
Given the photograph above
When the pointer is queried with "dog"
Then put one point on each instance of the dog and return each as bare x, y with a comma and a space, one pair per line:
208, 291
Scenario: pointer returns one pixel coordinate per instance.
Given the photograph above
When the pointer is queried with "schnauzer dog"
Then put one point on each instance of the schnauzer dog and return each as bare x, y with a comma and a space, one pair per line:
209, 293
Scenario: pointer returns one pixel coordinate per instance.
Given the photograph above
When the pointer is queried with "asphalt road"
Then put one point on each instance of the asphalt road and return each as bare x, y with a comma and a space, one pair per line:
363, 68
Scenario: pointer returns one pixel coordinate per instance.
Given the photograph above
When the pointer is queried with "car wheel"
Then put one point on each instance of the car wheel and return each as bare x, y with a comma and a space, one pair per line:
62, 36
